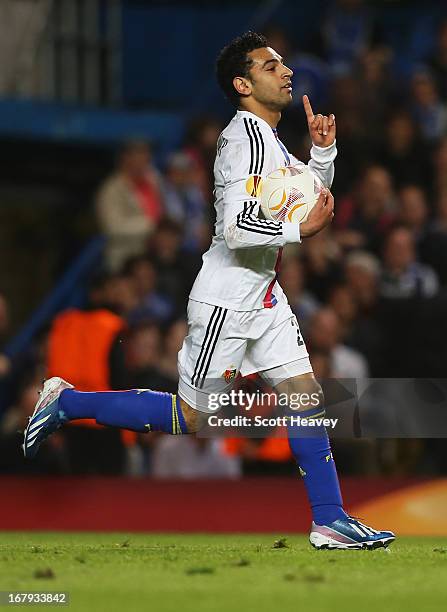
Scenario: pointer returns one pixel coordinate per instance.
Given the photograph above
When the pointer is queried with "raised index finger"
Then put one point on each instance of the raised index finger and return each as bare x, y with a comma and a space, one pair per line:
308, 109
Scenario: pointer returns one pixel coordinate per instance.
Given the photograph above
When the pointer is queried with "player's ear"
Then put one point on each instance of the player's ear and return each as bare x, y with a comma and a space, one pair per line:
242, 86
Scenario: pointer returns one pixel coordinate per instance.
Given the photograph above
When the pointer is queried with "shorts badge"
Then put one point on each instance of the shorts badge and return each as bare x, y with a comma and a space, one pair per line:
230, 374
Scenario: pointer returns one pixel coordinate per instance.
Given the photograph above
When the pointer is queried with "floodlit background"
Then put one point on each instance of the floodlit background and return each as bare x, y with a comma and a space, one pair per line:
109, 116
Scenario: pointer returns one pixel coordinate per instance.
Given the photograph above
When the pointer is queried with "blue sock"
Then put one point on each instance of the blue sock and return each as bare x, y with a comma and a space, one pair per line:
311, 449
138, 410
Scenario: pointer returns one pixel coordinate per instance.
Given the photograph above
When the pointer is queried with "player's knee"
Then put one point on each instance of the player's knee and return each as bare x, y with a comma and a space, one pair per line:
304, 392
194, 419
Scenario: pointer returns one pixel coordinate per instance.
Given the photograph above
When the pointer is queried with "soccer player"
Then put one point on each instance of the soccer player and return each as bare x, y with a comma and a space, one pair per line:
239, 319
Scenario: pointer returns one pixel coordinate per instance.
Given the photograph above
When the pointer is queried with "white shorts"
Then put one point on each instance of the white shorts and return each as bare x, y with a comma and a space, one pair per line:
221, 343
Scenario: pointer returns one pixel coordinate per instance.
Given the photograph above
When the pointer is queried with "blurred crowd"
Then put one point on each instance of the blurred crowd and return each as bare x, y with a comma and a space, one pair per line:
369, 292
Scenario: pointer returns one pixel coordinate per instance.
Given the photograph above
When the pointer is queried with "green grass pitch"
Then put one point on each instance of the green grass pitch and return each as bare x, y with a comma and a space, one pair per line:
213, 573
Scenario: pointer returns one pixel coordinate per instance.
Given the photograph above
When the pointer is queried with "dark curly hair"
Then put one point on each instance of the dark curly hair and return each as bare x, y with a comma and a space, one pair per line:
233, 61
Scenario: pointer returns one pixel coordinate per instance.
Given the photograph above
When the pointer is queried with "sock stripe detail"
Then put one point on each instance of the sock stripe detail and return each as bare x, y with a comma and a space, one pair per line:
173, 423
179, 431
319, 414
176, 429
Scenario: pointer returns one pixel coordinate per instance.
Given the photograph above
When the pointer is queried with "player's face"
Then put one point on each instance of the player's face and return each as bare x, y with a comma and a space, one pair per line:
270, 79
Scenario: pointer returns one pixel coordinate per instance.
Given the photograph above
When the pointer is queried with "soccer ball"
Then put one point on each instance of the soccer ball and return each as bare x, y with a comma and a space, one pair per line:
289, 194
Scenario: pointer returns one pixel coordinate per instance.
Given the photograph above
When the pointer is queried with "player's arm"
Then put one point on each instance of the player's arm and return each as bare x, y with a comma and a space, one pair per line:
322, 131
243, 229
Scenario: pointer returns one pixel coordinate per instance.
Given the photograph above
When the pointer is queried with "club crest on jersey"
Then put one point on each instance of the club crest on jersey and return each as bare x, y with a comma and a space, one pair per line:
229, 374
253, 185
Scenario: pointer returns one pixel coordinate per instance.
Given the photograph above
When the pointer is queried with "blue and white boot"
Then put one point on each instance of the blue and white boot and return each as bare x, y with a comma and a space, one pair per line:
47, 417
349, 533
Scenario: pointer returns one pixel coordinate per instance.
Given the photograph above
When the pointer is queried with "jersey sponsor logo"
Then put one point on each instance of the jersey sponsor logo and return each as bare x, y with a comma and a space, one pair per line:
253, 185
230, 374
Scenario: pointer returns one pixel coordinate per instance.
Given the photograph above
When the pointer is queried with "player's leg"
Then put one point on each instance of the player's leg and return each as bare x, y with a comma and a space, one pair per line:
281, 345
332, 527
137, 410
144, 410
282, 341
210, 357
310, 446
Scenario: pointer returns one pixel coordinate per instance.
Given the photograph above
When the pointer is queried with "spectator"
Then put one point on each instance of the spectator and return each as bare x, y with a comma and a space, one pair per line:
342, 301
325, 336
5, 364
121, 295
302, 302
358, 330
428, 110
129, 204
349, 31
348, 105
321, 365
403, 152
278, 40
185, 202
375, 83
310, 73
364, 216
134, 365
322, 261
438, 61
4, 318
91, 338
192, 457
439, 223
434, 247
440, 167
172, 345
412, 211
200, 146
142, 348
268, 453
80, 341
176, 268
52, 460
403, 276
152, 304
362, 273
80, 350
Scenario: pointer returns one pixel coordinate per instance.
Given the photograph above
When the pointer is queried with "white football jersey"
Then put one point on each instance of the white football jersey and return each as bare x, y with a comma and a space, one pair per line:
240, 268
